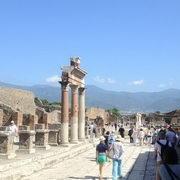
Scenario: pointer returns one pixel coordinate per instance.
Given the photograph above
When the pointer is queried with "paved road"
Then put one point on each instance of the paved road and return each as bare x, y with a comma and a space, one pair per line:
138, 164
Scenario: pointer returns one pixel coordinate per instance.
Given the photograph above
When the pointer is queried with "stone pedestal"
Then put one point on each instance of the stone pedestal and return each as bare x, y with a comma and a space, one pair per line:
26, 137
6, 145
1, 117
41, 138
54, 130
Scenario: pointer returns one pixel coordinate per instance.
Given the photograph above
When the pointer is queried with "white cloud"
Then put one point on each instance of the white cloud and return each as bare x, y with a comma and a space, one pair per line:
53, 79
111, 81
103, 80
162, 86
137, 82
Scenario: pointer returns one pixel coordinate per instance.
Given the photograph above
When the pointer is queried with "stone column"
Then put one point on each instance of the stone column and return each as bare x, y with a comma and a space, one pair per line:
81, 122
17, 117
74, 114
64, 113
1, 117
33, 121
46, 119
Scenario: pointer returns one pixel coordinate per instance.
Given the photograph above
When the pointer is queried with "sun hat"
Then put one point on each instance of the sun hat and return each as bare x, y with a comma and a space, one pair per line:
119, 138
102, 138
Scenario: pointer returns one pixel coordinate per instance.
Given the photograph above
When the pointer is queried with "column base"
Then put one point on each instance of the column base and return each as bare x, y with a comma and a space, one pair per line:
53, 144
74, 142
26, 151
64, 144
47, 147
7, 156
82, 140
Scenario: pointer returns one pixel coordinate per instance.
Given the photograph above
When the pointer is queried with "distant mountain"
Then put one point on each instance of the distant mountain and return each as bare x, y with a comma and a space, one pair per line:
163, 101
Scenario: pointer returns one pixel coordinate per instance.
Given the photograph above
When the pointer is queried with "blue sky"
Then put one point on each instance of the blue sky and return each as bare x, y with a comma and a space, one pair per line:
124, 45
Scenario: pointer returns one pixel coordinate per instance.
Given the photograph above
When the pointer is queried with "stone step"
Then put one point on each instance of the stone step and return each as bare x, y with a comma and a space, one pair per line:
25, 165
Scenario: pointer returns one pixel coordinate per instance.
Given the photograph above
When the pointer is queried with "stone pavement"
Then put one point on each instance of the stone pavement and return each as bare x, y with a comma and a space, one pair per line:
138, 164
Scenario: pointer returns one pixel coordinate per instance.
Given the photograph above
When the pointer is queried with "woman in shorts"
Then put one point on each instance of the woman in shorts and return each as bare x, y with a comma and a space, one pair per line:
101, 155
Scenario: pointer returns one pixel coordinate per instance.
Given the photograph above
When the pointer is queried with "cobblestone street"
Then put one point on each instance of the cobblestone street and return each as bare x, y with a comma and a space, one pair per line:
138, 164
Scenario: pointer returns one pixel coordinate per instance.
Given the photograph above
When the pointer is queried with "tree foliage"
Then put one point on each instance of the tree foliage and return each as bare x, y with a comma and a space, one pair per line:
45, 102
114, 111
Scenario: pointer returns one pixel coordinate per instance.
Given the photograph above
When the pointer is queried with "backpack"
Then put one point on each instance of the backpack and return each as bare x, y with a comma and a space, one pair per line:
163, 147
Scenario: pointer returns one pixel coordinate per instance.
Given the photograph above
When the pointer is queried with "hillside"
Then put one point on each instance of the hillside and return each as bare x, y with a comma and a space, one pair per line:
163, 101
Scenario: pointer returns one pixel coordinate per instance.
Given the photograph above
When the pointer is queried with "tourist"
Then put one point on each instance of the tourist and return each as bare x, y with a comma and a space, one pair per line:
106, 136
135, 136
13, 128
111, 139
171, 136
177, 146
121, 131
115, 125
130, 132
117, 149
92, 133
141, 137
149, 136
159, 147
101, 155
170, 169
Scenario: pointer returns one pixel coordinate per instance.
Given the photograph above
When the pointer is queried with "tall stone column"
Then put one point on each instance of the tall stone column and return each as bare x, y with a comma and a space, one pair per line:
74, 114
64, 134
81, 122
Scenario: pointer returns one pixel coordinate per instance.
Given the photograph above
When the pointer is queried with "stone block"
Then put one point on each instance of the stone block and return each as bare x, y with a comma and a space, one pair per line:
1, 117
6, 145
46, 119
26, 138
3, 128
53, 137
33, 121
41, 139
17, 117
22, 128
39, 126
54, 126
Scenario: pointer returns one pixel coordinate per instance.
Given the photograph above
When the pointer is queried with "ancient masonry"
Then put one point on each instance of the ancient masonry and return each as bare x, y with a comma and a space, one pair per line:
73, 77
40, 128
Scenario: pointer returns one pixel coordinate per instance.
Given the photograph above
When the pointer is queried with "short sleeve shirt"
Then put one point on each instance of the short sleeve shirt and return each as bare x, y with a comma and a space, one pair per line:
101, 147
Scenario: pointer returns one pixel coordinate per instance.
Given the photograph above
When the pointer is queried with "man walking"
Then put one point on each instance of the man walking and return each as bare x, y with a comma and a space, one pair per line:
121, 131
117, 148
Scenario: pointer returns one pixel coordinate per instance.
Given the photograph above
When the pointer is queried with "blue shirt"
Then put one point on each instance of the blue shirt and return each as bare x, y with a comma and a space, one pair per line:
101, 147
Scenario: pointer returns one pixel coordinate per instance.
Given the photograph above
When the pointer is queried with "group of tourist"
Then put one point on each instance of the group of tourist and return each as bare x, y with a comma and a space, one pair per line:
166, 142
110, 147
167, 154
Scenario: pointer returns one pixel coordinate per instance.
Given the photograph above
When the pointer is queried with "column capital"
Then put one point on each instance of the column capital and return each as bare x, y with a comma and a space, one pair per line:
64, 85
82, 90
